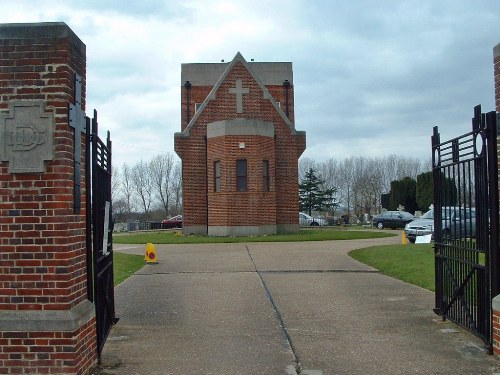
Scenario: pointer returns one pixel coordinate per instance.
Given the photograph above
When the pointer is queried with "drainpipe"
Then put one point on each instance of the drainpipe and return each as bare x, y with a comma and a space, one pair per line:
286, 85
187, 86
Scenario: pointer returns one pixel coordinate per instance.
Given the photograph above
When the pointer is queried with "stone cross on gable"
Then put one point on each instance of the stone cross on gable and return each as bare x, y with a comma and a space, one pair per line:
239, 90
77, 121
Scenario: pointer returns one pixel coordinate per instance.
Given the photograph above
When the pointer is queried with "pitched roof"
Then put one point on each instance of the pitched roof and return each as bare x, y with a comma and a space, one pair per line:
212, 95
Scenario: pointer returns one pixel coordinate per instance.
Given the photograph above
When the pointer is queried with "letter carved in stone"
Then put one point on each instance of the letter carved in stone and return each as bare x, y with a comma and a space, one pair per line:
26, 136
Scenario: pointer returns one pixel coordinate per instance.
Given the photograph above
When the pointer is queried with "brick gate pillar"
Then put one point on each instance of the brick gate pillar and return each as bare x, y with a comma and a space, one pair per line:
496, 301
47, 324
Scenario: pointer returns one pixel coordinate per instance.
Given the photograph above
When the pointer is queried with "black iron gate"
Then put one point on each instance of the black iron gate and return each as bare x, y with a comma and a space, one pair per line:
465, 173
99, 231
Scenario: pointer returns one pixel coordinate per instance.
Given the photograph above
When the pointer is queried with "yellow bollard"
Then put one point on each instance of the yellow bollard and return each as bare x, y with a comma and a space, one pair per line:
404, 240
150, 256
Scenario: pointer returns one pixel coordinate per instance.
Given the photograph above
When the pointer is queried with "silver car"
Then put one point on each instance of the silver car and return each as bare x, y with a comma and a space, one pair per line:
305, 219
457, 222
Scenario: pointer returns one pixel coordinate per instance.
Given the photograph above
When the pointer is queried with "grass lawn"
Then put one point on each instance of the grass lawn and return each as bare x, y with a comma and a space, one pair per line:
175, 237
411, 263
125, 265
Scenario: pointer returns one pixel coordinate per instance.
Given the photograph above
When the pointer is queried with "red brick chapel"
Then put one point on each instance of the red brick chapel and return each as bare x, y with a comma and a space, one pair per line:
239, 148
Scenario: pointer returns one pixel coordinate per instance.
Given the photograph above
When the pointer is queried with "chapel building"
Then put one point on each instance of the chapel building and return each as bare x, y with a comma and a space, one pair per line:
239, 148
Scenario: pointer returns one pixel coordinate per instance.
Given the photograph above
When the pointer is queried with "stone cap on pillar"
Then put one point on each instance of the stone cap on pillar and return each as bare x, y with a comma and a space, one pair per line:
496, 51
495, 303
59, 30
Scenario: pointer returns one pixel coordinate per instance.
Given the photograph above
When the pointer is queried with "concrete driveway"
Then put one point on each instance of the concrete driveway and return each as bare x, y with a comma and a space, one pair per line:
280, 308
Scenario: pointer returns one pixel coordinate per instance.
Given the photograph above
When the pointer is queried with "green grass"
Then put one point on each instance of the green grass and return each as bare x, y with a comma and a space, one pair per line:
411, 263
124, 265
175, 237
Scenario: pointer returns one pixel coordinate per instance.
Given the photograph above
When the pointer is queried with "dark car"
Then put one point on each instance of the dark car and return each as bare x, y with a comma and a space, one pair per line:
173, 222
392, 219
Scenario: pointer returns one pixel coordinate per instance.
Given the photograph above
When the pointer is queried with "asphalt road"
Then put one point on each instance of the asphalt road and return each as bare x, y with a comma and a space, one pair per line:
280, 308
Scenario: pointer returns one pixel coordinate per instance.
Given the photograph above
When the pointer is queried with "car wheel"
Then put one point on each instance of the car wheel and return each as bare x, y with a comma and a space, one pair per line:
314, 224
380, 225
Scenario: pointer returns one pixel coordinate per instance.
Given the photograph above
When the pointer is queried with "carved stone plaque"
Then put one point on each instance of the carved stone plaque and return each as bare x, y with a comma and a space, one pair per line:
26, 136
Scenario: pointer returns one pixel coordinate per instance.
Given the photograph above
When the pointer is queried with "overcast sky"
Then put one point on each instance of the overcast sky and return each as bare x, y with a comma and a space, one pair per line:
371, 77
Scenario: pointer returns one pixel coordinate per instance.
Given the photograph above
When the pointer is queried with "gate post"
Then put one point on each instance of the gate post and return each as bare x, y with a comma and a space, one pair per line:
496, 300
47, 324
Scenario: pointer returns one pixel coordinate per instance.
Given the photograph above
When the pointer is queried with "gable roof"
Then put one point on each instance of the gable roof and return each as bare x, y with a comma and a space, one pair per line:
212, 95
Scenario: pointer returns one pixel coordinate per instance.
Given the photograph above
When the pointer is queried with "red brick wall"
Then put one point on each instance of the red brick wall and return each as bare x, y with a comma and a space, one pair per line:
496, 64
230, 207
40, 234
197, 94
496, 332
43, 257
287, 148
48, 352
278, 93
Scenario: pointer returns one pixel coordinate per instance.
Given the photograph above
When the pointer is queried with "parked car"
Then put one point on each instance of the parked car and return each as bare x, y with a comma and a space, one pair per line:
457, 222
420, 227
392, 219
305, 219
173, 222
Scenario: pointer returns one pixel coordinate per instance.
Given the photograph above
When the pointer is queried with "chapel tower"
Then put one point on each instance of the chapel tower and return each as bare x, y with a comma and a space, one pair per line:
239, 148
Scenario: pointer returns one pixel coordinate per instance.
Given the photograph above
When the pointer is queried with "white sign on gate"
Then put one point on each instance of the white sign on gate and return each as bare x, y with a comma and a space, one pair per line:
105, 251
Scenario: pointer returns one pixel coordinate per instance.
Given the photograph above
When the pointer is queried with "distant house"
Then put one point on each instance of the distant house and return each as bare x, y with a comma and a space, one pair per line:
239, 148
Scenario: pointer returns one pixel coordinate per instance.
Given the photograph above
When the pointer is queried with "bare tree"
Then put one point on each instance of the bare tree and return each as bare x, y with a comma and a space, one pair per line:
368, 185
176, 187
361, 181
350, 174
329, 172
142, 183
161, 168
115, 184
127, 187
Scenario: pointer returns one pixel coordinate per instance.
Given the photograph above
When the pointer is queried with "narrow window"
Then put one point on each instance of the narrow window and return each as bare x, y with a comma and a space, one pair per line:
197, 106
241, 175
216, 176
265, 175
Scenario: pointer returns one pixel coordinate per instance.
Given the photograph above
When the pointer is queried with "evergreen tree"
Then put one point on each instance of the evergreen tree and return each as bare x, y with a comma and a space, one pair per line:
312, 196
403, 193
425, 190
385, 200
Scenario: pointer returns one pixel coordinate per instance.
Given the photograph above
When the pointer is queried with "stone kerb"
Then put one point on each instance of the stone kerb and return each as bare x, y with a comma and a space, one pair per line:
47, 324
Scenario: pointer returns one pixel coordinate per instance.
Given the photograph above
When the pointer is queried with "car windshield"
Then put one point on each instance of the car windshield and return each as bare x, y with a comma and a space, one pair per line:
406, 215
428, 215
447, 212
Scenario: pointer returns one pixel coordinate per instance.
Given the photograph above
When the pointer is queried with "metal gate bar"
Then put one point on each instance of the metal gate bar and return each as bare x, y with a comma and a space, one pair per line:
99, 232
466, 225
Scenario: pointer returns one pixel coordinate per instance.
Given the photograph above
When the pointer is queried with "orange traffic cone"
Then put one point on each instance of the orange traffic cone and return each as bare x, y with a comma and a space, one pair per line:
150, 256
404, 240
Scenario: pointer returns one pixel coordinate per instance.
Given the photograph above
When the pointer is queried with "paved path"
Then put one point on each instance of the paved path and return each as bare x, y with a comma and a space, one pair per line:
280, 308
